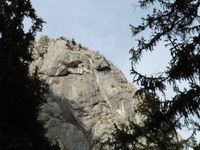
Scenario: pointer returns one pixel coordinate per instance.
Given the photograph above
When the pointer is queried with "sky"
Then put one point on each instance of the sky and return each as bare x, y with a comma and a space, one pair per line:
103, 26
100, 25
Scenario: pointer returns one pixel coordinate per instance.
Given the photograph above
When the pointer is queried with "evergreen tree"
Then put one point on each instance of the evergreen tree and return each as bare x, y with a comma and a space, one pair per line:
176, 23
21, 94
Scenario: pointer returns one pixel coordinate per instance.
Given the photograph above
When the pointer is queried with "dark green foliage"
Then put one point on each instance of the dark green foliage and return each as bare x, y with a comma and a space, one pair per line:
175, 23
21, 94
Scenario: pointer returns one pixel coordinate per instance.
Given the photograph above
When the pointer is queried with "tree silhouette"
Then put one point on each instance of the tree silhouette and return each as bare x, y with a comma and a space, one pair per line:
21, 94
176, 23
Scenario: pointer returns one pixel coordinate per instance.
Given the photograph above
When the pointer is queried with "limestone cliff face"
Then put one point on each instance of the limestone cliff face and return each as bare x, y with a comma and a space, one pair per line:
87, 94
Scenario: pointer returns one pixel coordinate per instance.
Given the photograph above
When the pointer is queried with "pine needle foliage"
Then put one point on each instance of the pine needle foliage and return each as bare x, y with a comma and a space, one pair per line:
21, 94
176, 24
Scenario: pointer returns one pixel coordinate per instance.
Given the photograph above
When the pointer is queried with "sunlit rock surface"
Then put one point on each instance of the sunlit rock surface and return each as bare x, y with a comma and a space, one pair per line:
87, 94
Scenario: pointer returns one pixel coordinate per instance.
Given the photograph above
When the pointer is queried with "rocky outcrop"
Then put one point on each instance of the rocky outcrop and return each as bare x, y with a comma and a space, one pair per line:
87, 94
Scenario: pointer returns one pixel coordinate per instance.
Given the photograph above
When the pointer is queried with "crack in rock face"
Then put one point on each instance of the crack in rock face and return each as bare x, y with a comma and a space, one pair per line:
87, 94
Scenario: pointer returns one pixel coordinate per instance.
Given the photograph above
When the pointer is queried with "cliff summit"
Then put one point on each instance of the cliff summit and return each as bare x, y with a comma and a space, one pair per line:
87, 94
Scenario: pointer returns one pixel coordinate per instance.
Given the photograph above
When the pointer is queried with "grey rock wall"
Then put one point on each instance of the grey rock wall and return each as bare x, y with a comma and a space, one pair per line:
87, 94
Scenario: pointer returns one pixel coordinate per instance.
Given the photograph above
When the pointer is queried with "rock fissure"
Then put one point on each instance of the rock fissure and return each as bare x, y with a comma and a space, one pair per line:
87, 94
62, 75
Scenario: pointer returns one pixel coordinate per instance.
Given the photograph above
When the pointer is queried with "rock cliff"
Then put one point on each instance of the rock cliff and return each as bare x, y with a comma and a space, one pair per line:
87, 94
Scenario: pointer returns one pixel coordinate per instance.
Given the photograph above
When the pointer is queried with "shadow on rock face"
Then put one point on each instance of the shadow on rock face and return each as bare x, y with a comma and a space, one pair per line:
87, 94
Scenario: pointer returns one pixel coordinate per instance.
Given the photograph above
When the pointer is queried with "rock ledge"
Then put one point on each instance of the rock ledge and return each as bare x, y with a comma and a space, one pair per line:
87, 94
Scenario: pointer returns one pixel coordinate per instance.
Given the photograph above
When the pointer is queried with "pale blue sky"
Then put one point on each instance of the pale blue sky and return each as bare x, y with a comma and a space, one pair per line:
100, 25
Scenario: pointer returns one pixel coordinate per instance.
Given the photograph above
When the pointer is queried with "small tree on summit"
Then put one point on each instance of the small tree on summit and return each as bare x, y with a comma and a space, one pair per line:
176, 23
21, 95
